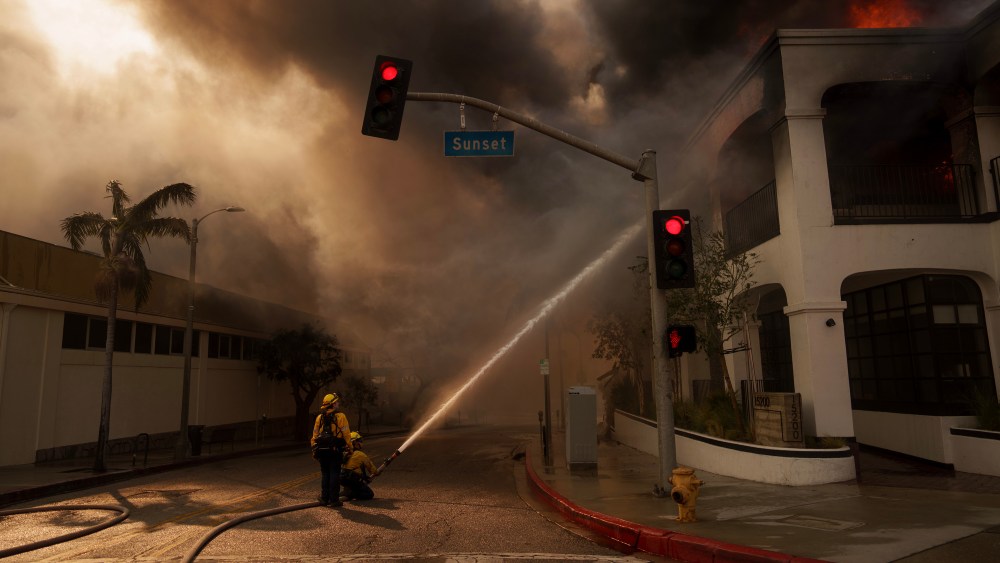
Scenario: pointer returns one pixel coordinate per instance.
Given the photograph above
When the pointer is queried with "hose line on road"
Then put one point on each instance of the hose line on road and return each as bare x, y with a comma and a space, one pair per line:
194, 551
124, 513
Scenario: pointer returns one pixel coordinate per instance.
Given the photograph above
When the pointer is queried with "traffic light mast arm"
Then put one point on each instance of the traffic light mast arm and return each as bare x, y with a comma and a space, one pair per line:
630, 164
643, 170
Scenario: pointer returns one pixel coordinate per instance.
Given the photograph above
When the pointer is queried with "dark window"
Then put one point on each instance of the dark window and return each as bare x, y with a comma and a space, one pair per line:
776, 353
162, 340
177, 341
97, 332
143, 338
123, 336
917, 346
213, 345
195, 343
225, 343
81, 332
74, 331
251, 349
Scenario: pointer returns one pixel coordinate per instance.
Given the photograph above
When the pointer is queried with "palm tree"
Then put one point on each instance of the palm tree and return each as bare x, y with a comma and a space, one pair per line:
123, 267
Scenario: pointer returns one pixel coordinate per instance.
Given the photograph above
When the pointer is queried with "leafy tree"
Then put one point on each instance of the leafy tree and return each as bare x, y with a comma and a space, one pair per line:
359, 392
123, 267
309, 359
622, 337
716, 307
718, 303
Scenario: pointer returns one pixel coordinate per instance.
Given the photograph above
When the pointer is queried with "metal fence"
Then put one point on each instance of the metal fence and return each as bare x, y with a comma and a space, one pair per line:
753, 221
903, 192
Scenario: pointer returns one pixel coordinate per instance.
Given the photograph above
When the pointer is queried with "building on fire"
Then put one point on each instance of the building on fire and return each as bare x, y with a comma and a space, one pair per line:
863, 167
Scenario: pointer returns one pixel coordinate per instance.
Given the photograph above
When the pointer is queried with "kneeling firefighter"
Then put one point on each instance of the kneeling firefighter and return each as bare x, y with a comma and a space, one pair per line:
357, 472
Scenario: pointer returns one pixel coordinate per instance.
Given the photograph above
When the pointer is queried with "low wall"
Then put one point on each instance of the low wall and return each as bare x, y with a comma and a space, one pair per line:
976, 451
917, 435
764, 464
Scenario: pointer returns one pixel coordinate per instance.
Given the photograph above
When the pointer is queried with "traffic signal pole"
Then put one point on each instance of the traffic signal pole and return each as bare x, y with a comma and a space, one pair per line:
643, 170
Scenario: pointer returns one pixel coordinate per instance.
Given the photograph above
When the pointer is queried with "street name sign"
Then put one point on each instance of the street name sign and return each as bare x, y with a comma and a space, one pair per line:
479, 143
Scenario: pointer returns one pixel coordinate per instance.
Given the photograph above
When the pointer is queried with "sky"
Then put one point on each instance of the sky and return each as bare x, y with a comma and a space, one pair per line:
432, 261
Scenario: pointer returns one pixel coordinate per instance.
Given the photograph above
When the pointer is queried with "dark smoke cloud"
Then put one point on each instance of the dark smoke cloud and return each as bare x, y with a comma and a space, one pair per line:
429, 259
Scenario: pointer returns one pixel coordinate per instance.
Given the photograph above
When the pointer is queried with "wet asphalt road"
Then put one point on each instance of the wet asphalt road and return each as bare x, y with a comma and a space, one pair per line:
453, 495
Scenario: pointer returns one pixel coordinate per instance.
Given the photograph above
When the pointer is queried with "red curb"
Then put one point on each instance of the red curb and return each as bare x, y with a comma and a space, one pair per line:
653, 540
657, 541
690, 548
621, 531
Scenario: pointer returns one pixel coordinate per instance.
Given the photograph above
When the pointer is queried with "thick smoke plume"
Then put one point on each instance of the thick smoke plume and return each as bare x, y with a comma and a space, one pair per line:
259, 104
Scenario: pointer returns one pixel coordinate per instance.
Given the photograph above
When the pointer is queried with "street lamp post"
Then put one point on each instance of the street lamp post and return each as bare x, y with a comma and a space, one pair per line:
182, 442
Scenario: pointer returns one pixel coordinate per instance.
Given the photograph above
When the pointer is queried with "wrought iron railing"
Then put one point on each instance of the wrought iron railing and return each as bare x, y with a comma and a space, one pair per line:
753, 221
944, 191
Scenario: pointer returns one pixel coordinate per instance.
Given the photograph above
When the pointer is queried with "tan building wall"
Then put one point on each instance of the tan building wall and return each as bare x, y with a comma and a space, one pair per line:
50, 396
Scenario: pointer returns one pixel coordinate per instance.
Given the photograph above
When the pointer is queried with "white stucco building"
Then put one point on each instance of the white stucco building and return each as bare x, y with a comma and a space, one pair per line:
861, 165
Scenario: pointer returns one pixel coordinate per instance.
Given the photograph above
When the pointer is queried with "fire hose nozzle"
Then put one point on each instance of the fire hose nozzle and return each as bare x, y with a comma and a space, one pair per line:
386, 463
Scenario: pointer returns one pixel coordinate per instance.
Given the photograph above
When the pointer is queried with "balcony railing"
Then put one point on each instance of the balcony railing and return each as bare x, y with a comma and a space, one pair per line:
884, 192
753, 221
875, 193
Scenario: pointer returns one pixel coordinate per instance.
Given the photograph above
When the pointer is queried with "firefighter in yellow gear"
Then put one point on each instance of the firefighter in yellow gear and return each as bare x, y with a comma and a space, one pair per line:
330, 444
357, 472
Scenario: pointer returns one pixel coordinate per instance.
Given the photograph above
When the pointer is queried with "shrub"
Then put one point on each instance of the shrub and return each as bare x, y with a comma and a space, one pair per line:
714, 416
987, 410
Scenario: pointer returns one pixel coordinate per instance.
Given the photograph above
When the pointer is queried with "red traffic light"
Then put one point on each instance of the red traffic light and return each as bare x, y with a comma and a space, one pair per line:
674, 225
681, 339
675, 339
386, 97
673, 249
389, 72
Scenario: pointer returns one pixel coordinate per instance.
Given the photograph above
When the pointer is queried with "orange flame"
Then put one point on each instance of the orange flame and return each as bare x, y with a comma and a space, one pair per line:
882, 13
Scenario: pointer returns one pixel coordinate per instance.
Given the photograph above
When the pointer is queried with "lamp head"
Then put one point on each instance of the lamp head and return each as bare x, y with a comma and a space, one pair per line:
235, 209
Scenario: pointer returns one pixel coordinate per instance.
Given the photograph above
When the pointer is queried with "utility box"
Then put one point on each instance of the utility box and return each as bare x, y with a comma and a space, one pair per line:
581, 428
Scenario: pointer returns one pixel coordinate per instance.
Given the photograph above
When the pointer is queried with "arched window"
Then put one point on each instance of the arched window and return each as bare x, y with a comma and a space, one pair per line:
918, 345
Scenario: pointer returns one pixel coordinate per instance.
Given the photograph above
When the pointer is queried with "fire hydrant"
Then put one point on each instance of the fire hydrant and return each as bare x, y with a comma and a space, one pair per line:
685, 492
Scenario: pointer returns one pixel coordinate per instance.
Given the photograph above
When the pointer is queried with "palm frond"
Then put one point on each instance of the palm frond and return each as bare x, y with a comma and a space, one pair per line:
119, 198
145, 210
77, 228
107, 233
165, 227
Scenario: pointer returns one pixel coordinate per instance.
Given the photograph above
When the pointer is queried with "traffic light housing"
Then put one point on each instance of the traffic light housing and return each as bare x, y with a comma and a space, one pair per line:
386, 97
674, 250
680, 339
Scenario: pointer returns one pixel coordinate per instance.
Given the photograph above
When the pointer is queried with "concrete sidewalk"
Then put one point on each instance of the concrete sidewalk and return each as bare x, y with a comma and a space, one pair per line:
747, 521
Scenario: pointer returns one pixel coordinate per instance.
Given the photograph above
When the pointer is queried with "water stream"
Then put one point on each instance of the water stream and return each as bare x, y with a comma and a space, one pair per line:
545, 309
